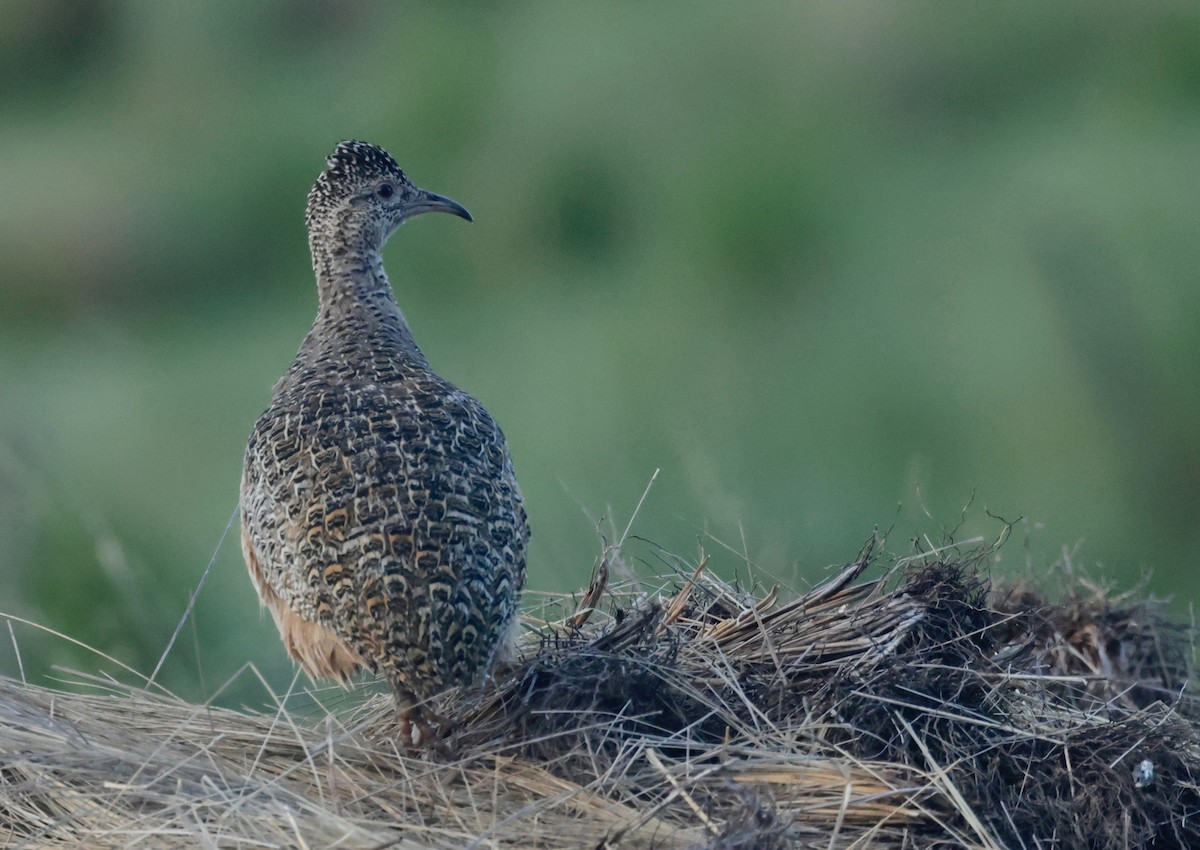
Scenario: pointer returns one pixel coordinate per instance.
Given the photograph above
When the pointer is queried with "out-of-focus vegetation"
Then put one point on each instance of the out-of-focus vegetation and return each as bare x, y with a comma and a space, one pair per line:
814, 261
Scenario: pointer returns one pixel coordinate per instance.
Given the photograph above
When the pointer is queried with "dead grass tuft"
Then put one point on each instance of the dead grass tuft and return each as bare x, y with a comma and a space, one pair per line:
921, 709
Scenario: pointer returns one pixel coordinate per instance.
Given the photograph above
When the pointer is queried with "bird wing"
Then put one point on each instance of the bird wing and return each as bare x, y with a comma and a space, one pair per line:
393, 520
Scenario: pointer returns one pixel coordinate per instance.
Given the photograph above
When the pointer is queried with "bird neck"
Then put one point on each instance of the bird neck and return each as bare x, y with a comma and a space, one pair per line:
354, 293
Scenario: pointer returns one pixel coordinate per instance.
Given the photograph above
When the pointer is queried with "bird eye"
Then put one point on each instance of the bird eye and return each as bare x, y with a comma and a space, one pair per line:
385, 191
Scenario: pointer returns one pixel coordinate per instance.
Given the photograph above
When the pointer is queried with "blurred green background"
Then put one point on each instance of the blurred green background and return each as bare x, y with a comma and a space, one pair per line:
828, 266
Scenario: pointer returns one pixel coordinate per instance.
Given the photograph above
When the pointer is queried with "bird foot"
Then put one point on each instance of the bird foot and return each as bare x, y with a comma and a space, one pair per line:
423, 731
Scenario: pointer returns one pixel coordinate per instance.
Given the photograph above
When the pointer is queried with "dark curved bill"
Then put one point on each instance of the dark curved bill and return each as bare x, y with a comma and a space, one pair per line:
424, 202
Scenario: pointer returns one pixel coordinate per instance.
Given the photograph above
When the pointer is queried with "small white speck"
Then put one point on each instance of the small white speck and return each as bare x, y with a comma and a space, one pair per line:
1143, 774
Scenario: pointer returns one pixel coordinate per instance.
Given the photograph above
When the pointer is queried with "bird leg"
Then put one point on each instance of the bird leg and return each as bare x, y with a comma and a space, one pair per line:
420, 729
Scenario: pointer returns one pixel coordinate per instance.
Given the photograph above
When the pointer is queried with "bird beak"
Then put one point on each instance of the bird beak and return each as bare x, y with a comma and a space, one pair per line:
425, 202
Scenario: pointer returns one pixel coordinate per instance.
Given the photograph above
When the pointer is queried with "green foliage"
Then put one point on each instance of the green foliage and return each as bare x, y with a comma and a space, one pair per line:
811, 260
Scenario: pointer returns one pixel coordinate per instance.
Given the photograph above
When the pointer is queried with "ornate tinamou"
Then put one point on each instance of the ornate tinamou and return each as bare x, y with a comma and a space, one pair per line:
381, 520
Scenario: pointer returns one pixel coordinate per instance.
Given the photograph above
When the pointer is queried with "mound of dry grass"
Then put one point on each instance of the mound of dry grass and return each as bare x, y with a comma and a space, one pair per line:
921, 709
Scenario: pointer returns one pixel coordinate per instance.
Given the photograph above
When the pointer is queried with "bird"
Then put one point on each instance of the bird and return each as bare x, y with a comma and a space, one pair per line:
381, 520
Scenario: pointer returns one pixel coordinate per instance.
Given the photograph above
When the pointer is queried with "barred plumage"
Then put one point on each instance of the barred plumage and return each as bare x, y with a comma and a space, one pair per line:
381, 519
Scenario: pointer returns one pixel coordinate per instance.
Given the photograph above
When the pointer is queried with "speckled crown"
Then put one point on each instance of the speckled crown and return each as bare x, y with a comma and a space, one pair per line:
349, 165
353, 159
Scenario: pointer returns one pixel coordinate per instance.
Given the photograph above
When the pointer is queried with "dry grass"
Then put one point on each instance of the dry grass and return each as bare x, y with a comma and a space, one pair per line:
923, 709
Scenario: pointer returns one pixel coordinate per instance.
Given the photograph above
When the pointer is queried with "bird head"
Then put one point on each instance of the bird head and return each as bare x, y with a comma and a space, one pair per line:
363, 190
